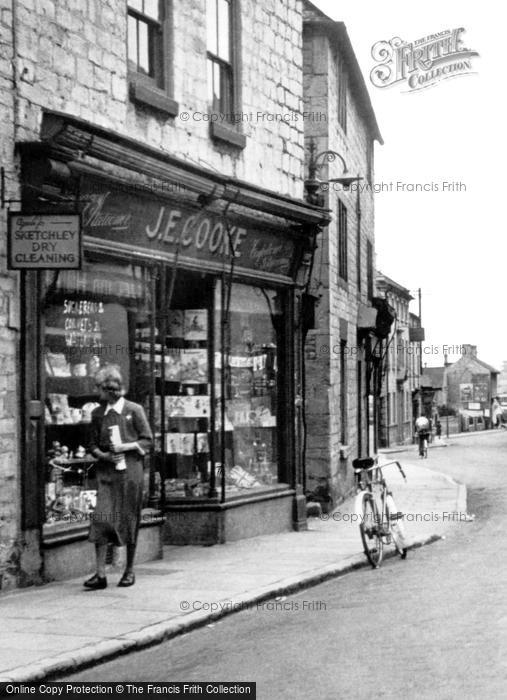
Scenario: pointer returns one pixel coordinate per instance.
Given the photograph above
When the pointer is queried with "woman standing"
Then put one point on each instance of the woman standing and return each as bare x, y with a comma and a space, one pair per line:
121, 436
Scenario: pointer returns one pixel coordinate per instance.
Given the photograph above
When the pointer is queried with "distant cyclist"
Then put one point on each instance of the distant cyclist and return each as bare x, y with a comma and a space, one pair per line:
422, 426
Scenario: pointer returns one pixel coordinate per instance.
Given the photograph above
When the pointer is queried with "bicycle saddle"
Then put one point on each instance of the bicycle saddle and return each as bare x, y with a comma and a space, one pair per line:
363, 463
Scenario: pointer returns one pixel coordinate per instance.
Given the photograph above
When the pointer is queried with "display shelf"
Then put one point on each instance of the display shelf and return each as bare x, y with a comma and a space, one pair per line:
81, 387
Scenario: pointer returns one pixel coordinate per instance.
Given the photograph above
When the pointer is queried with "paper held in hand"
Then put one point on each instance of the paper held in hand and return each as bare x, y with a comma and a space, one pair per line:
115, 437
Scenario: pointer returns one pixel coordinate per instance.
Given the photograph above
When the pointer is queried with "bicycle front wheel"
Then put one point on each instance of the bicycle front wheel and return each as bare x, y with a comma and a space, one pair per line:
369, 528
395, 520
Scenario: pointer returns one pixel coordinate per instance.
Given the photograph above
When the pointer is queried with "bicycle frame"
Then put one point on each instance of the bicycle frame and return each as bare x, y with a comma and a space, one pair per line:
370, 481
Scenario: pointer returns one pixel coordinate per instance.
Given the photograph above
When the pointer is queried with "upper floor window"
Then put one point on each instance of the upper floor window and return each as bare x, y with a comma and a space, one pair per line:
342, 95
220, 65
148, 43
145, 47
342, 241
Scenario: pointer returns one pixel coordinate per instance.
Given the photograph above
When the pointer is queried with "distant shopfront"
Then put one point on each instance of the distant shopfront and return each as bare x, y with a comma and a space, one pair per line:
196, 299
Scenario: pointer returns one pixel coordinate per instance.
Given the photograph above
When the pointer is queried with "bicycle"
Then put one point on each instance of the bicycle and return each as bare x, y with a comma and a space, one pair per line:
380, 521
423, 444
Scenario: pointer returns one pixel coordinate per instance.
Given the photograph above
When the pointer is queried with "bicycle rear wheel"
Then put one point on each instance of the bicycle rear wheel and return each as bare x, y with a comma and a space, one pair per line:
369, 528
395, 520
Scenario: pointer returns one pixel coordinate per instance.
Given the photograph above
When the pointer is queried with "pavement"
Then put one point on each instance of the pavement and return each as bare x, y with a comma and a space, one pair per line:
52, 630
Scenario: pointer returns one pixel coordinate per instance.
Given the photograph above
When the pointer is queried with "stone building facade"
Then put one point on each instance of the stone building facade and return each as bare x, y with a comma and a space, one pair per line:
400, 400
469, 387
340, 120
74, 58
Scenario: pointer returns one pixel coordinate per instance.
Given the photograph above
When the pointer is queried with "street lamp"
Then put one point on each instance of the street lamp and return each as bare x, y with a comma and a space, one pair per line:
315, 163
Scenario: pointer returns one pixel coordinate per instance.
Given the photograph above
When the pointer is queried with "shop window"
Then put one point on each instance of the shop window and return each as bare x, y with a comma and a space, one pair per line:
194, 368
148, 46
248, 379
90, 318
183, 401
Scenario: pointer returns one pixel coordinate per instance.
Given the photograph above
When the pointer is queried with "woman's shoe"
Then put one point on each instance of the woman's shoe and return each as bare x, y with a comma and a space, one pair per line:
128, 579
96, 583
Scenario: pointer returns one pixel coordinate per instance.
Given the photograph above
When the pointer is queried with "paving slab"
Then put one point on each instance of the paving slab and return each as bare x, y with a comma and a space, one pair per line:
57, 628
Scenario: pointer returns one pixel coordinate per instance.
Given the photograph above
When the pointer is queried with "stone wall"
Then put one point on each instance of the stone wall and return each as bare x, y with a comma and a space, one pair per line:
10, 540
338, 300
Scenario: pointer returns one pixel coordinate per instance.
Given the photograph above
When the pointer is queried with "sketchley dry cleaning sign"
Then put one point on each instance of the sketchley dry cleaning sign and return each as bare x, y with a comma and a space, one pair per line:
44, 241
422, 63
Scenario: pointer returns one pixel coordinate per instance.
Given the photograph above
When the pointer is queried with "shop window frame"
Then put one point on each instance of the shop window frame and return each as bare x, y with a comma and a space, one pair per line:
36, 375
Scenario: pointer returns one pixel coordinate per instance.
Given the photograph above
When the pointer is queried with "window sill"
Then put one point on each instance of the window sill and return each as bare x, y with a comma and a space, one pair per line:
228, 135
65, 532
147, 95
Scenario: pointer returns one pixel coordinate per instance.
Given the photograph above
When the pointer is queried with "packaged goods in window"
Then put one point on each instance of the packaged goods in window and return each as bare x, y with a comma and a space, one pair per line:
196, 324
57, 365
202, 443
174, 488
93, 365
79, 370
173, 365
175, 324
172, 443
237, 476
241, 361
145, 332
196, 406
241, 382
187, 443
174, 406
228, 426
194, 366
250, 413
60, 411
187, 406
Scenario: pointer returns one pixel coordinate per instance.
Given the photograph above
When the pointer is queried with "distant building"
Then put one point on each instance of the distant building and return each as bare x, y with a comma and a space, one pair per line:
469, 387
432, 391
400, 396
502, 379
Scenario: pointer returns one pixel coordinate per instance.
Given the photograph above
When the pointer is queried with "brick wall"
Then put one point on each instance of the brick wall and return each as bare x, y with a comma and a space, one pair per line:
338, 300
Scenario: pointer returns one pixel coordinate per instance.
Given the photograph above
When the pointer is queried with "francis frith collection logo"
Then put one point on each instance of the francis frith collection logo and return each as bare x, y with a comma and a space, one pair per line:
422, 63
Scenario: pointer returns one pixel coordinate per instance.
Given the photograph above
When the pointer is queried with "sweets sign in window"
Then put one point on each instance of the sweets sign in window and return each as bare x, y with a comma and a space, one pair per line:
89, 321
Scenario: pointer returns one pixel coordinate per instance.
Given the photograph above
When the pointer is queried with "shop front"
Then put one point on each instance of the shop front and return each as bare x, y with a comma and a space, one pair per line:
196, 297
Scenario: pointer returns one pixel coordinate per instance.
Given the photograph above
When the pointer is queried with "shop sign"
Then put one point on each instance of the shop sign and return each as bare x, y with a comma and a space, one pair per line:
481, 388
159, 225
466, 392
44, 241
